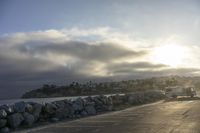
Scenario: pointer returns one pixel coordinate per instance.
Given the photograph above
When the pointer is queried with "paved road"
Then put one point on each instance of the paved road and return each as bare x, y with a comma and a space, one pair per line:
162, 117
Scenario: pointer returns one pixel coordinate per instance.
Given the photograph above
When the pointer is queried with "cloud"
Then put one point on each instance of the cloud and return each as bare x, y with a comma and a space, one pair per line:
28, 60
23, 63
148, 69
131, 67
82, 50
31, 59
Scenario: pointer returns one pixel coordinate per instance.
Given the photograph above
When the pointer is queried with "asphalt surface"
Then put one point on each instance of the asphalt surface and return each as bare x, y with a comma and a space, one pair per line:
173, 116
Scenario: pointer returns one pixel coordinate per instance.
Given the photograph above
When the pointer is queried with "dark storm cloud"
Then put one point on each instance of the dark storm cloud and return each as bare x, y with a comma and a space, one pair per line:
30, 60
96, 52
27, 62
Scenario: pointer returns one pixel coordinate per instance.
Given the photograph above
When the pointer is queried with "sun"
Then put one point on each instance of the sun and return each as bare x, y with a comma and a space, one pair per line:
170, 54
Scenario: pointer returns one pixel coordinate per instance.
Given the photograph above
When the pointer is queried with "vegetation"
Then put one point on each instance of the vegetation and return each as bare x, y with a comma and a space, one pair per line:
90, 88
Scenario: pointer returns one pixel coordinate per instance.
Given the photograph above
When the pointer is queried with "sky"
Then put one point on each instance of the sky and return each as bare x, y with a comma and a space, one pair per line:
60, 41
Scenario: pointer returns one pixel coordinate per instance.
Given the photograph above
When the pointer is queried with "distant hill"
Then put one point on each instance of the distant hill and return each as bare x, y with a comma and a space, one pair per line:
90, 88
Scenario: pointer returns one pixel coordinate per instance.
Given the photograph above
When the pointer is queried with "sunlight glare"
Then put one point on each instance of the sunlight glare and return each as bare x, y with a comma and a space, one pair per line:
171, 54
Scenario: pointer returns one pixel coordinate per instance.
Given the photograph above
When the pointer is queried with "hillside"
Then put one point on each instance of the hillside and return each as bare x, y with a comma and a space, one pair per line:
90, 88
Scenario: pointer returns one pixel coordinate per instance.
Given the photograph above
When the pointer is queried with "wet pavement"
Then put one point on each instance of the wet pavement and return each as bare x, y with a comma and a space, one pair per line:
172, 116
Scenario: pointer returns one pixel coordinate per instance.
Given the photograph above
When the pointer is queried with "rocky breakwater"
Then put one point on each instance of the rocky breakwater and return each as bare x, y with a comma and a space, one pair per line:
26, 114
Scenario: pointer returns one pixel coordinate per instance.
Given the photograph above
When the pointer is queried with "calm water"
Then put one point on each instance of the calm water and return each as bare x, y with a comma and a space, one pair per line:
43, 100
38, 100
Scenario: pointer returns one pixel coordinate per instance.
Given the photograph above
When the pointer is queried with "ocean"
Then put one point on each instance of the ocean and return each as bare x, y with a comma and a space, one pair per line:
44, 100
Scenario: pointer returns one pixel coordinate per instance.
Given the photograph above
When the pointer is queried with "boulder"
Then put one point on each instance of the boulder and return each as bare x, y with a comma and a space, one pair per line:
29, 108
64, 109
110, 102
97, 102
37, 109
90, 110
89, 99
77, 116
9, 109
103, 103
60, 104
3, 123
50, 108
109, 107
83, 113
132, 98
62, 113
78, 104
71, 110
54, 119
154, 94
5, 130
103, 99
118, 99
136, 98
19, 107
68, 101
141, 98
90, 103
28, 119
3, 113
15, 120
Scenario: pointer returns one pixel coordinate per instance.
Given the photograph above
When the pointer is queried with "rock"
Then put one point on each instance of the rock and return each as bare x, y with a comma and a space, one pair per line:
71, 110
64, 109
117, 99
97, 100
15, 120
50, 108
78, 104
62, 113
154, 94
84, 113
109, 107
29, 108
37, 109
4, 130
136, 98
103, 99
60, 104
28, 119
68, 101
103, 108
9, 109
3, 113
141, 98
110, 102
54, 119
101, 103
132, 98
19, 107
3, 123
77, 116
90, 110
89, 99
77, 107
90, 103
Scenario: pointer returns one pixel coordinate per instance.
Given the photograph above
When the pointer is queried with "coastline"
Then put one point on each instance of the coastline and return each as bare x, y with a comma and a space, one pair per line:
24, 115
